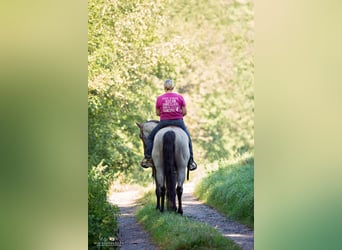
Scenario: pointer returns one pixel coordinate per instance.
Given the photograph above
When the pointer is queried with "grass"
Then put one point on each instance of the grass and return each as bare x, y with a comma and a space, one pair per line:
172, 231
230, 189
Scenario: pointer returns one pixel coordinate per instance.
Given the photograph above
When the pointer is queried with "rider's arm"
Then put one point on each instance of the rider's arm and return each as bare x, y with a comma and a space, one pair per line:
184, 111
158, 111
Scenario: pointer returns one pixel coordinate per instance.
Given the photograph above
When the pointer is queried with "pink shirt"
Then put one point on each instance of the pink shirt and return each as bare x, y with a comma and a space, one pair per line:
170, 106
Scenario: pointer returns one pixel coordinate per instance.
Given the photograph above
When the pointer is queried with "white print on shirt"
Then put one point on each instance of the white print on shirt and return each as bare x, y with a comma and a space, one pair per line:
170, 104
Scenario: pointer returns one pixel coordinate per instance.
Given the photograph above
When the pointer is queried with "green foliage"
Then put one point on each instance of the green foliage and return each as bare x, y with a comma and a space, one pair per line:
206, 46
127, 58
230, 189
101, 215
119, 35
109, 131
219, 78
119, 63
185, 233
133, 45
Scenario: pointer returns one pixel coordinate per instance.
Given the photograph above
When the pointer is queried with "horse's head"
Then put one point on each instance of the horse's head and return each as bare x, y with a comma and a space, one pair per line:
145, 130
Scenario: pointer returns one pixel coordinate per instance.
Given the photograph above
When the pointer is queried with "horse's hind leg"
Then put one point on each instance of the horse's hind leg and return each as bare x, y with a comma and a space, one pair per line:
158, 198
162, 199
179, 196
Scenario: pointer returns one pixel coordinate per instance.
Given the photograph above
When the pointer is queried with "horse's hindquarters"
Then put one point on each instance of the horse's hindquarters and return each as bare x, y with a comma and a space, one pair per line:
170, 155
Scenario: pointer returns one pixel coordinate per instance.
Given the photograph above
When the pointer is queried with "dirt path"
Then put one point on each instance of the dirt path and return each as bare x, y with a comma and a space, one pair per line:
196, 210
132, 236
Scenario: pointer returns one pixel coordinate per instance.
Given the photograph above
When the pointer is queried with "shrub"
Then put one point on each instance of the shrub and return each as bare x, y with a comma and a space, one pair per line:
230, 189
101, 214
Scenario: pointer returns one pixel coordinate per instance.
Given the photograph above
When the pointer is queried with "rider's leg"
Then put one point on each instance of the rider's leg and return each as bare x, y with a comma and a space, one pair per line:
180, 123
192, 164
147, 161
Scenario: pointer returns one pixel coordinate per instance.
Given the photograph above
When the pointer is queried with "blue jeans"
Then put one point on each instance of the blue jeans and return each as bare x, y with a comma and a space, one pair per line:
162, 124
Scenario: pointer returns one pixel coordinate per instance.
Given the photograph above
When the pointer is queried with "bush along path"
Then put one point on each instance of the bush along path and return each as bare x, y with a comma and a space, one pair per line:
132, 236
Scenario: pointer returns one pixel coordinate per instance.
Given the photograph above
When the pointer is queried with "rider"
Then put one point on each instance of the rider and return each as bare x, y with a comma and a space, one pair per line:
171, 108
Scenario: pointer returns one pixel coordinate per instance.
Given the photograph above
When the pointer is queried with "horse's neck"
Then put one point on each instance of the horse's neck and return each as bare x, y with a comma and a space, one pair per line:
149, 127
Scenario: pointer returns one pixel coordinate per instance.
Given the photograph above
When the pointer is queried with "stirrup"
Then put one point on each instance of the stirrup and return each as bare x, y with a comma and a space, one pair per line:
192, 165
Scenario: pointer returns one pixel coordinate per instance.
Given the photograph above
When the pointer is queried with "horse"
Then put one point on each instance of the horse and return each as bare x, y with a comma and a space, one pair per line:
170, 155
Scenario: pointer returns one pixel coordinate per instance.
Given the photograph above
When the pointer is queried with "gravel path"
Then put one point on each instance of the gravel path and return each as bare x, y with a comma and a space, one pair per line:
132, 236
195, 209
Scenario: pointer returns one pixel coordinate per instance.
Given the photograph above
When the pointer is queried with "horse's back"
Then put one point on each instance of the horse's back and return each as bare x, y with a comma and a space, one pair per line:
181, 139
182, 152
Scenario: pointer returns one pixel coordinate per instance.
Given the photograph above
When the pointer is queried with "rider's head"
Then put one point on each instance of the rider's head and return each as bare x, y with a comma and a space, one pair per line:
168, 84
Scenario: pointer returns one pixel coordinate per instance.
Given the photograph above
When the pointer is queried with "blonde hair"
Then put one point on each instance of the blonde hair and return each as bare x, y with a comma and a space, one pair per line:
168, 84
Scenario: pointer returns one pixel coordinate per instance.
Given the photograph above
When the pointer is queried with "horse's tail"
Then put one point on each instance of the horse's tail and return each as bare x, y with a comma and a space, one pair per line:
169, 163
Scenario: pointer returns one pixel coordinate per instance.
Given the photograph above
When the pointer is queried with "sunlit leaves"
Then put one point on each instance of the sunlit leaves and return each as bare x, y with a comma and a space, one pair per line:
224, 72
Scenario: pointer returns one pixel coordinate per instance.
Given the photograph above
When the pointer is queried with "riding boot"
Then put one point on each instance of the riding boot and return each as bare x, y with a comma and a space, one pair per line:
146, 163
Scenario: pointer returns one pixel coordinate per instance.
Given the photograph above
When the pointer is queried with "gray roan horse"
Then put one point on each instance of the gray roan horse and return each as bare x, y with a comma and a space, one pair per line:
170, 156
